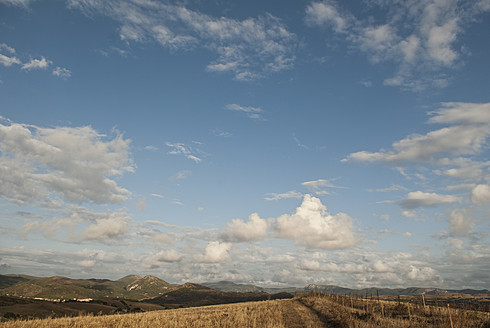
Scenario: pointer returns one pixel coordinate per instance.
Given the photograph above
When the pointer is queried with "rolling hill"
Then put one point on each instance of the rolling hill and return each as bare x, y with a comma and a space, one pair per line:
129, 287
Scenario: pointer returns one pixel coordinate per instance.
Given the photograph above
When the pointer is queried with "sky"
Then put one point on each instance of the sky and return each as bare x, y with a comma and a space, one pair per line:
278, 143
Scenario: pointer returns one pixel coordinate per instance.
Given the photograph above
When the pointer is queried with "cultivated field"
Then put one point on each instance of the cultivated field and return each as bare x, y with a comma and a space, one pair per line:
313, 310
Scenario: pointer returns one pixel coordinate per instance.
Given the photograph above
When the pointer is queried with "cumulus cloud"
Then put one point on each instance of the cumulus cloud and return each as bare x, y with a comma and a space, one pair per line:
419, 37
313, 227
114, 226
254, 229
216, 252
424, 274
86, 264
417, 199
8, 61
249, 48
42, 63
164, 256
481, 194
103, 227
409, 214
460, 223
327, 13
61, 72
74, 163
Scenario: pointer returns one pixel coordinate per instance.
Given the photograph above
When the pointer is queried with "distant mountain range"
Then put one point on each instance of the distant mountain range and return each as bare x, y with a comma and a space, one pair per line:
229, 286
156, 290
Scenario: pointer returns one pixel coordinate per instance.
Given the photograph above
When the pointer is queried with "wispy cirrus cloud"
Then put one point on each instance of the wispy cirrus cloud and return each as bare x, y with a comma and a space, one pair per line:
190, 152
18, 3
249, 49
419, 37
319, 186
252, 112
285, 195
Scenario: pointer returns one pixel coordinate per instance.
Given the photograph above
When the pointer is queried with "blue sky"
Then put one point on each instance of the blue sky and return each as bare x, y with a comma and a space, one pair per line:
278, 143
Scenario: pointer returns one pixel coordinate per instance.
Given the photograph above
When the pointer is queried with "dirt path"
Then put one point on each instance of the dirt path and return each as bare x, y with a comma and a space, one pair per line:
296, 315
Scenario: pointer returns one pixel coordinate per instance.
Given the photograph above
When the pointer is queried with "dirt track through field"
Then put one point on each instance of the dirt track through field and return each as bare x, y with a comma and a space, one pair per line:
296, 315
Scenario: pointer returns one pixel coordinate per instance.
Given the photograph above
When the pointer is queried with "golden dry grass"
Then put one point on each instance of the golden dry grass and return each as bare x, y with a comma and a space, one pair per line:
251, 314
348, 312
313, 310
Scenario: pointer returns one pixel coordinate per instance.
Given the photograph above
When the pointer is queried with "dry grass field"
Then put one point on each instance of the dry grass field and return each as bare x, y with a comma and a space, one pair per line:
252, 314
313, 310
343, 311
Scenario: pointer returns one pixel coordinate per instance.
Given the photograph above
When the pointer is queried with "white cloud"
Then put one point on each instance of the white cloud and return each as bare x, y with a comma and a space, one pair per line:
7, 48
182, 175
63, 73
216, 252
425, 274
378, 40
252, 112
164, 256
409, 214
249, 49
417, 199
254, 229
42, 63
187, 151
310, 265
327, 13
385, 217
114, 226
74, 163
194, 158
461, 186
439, 41
459, 112
19, 3
51, 229
393, 187
141, 204
285, 195
86, 264
420, 37
466, 137
481, 194
313, 227
460, 223
317, 186
102, 226
157, 196
8, 61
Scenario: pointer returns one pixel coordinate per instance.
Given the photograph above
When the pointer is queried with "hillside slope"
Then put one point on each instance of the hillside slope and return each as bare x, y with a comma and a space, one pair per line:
129, 287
